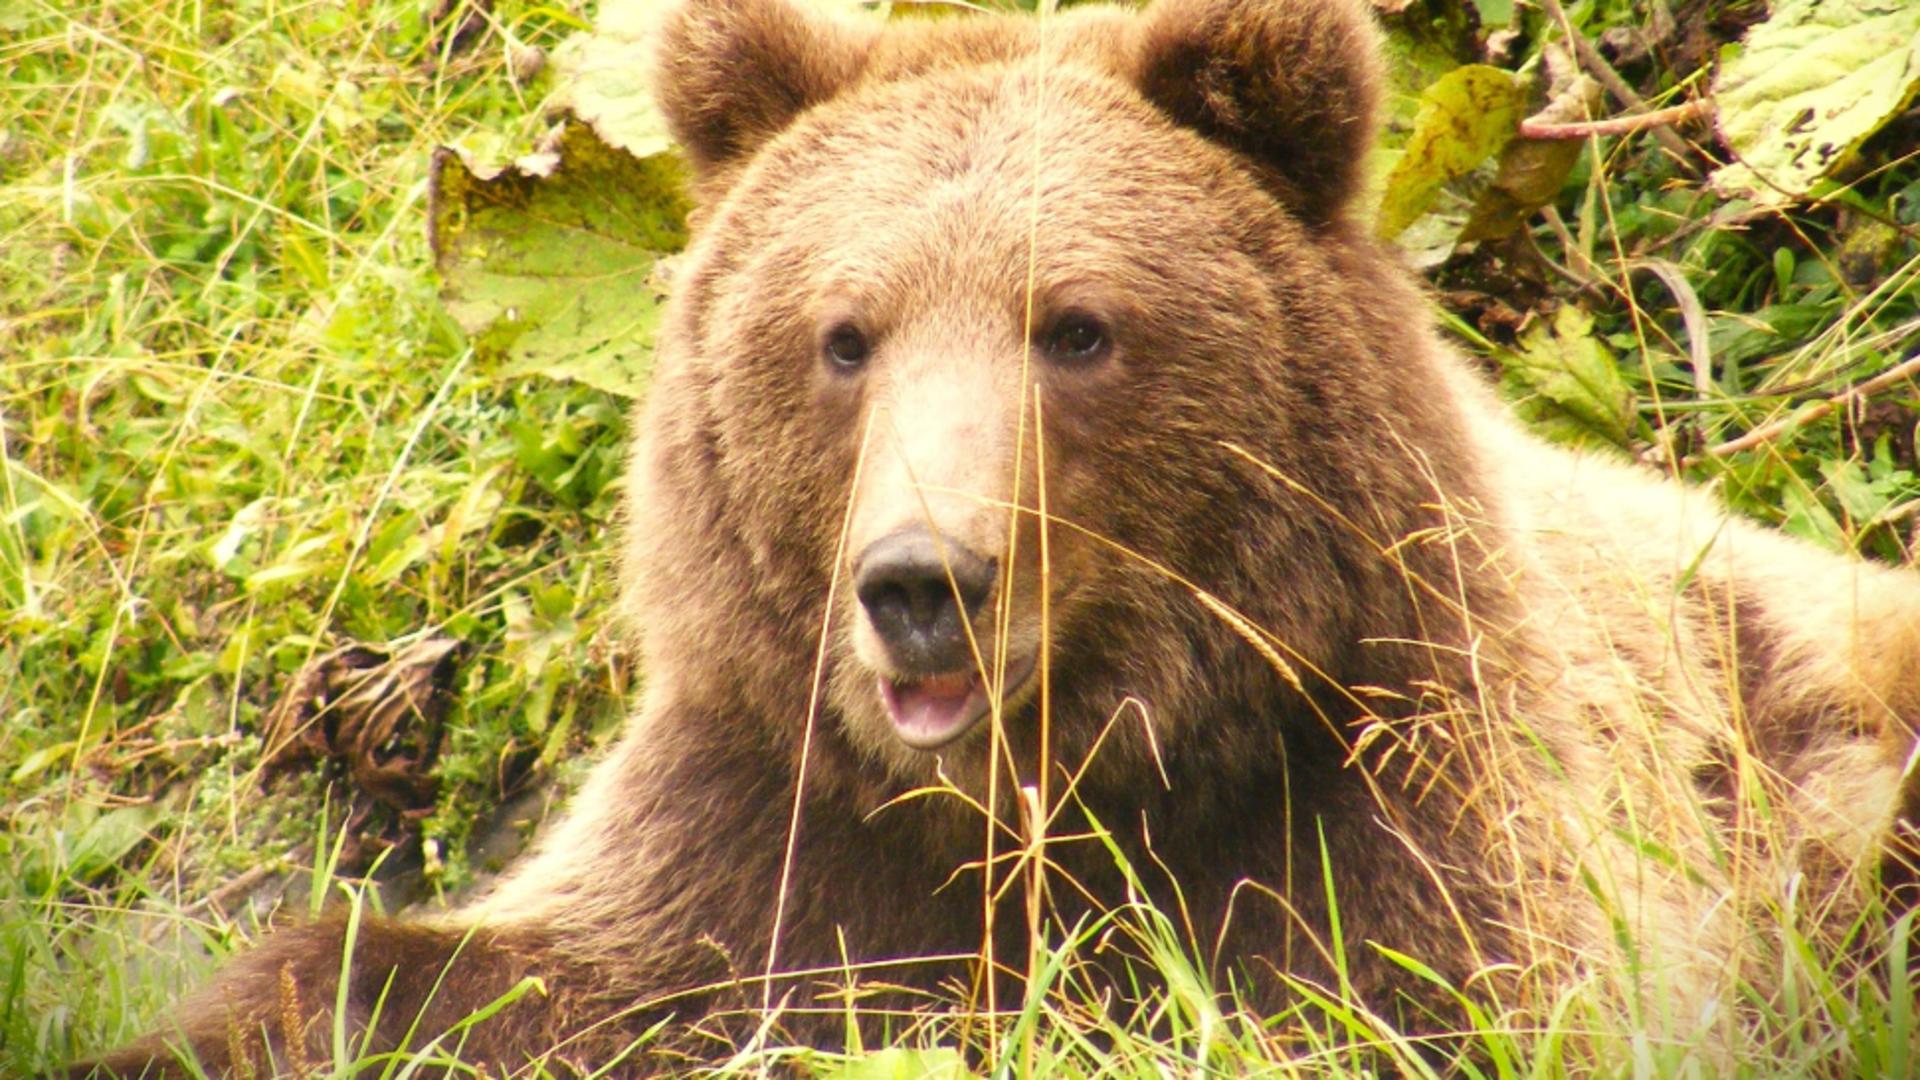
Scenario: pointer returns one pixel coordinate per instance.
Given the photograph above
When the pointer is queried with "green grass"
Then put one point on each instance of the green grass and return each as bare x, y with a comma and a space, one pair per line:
240, 433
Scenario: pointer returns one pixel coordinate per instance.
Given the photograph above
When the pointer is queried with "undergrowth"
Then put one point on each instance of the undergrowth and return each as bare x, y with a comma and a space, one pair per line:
240, 434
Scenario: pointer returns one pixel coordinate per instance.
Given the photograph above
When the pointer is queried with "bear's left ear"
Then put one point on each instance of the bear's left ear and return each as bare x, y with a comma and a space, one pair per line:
730, 74
1293, 86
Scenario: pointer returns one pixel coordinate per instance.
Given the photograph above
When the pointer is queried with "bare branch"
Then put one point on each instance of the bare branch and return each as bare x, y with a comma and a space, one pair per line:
1617, 125
1596, 65
1905, 369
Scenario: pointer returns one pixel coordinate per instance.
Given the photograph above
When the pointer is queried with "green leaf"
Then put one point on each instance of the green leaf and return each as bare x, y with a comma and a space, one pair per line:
901, 1063
1532, 171
87, 845
1566, 380
1862, 498
549, 263
597, 81
109, 838
299, 562
1810, 85
251, 518
33, 764
400, 544
1494, 14
1807, 519
1464, 118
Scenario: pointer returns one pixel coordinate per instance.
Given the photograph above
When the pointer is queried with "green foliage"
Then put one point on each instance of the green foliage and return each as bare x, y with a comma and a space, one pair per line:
237, 429
1565, 381
1465, 117
598, 84
901, 1063
548, 263
1760, 309
1808, 87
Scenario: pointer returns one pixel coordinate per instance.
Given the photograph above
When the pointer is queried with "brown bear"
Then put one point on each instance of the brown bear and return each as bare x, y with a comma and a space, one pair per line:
1052, 498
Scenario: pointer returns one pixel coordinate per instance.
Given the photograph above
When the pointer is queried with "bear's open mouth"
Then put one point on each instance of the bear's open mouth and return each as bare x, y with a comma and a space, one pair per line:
934, 710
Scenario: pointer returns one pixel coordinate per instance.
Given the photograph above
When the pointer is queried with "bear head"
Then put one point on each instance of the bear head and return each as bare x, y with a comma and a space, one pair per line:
1034, 375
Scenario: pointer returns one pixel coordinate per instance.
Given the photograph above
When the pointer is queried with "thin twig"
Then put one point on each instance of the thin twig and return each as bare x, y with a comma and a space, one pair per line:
1596, 65
1616, 125
215, 901
1767, 432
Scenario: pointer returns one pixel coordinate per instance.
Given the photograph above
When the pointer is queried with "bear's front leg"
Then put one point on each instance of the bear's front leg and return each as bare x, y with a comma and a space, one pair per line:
280, 1008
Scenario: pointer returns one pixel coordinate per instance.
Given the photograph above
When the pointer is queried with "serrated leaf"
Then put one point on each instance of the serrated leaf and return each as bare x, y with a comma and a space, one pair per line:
1863, 499
1808, 87
1566, 379
1464, 118
548, 263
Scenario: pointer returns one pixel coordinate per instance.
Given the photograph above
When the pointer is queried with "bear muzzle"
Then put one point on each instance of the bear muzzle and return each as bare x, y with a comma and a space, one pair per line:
920, 593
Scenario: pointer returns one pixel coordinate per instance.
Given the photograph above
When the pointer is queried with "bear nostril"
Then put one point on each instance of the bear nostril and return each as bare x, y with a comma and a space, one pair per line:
903, 582
927, 601
892, 603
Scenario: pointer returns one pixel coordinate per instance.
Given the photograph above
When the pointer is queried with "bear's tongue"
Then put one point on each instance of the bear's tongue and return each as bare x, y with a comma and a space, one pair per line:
931, 712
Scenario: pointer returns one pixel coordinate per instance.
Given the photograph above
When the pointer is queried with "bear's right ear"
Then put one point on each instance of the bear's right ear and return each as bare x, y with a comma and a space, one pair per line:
1292, 86
730, 74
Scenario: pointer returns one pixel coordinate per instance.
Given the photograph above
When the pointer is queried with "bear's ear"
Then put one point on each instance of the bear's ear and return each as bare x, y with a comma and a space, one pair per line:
1291, 85
730, 74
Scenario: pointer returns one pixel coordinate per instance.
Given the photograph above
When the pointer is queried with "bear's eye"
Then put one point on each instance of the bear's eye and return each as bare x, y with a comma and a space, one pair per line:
1075, 338
846, 347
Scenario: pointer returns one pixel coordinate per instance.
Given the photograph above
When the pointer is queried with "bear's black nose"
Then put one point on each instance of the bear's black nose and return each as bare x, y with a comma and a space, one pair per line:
902, 580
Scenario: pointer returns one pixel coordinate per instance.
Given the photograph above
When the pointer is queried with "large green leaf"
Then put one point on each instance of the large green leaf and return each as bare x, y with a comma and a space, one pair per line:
600, 79
1464, 118
1810, 85
549, 262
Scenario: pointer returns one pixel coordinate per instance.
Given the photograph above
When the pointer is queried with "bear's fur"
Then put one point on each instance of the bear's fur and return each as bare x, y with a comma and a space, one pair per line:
1305, 613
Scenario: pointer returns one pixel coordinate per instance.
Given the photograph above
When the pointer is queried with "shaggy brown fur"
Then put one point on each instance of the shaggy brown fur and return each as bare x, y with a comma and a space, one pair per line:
1307, 608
